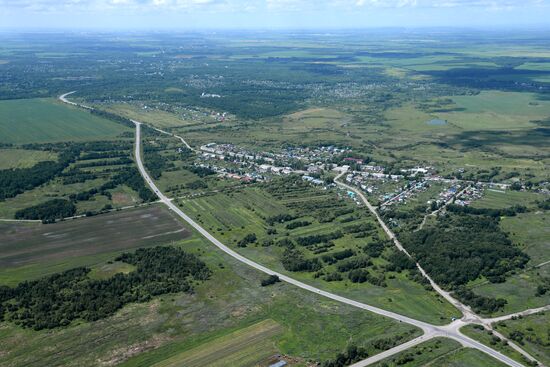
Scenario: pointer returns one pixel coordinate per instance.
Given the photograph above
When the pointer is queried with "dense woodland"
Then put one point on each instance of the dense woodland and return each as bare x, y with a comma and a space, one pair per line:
59, 299
462, 247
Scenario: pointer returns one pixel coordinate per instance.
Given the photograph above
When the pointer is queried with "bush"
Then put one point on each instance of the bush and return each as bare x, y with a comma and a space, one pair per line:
272, 279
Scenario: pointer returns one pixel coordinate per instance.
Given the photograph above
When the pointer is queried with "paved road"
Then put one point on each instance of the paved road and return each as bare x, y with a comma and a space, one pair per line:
430, 331
465, 310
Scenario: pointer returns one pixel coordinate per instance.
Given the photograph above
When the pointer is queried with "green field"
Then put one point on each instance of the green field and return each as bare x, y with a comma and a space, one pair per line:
23, 158
244, 347
531, 332
532, 231
441, 353
230, 304
44, 120
231, 216
499, 199
487, 338
29, 250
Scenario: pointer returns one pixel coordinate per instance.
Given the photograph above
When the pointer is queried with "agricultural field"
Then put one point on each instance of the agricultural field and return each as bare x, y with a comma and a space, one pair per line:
32, 250
46, 120
467, 107
231, 307
231, 217
23, 158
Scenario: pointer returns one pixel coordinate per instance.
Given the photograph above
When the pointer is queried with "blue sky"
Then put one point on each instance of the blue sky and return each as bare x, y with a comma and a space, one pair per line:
242, 14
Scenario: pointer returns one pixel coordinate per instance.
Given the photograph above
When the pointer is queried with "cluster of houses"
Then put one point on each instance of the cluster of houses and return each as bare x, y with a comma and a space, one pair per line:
239, 163
236, 162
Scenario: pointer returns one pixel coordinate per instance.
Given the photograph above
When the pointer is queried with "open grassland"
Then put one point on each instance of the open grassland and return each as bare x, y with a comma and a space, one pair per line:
519, 290
440, 353
531, 332
29, 250
486, 337
243, 347
532, 231
220, 311
23, 158
152, 116
230, 217
499, 199
45, 120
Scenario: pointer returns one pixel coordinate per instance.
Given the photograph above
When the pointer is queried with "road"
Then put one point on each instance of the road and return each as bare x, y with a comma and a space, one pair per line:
440, 209
430, 331
465, 310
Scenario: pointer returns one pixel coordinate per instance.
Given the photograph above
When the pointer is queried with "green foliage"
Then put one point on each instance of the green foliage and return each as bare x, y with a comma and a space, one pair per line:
294, 260
339, 255
297, 224
48, 211
399, 261
480, 303
495, 213
318, 238
248, 239
461, 248
356, 262
280, 218
58, 299
201, 171
272, 279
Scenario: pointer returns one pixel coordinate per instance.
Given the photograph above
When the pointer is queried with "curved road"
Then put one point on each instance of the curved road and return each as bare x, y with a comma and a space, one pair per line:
430, 331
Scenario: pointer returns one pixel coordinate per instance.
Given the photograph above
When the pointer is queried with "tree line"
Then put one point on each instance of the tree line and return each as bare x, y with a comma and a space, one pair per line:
59, 299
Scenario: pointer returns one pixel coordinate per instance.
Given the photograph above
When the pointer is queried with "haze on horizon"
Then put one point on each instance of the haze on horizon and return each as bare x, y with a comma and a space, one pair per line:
275, 14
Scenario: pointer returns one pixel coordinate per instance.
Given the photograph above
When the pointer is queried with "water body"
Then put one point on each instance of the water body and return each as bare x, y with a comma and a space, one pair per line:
437, 122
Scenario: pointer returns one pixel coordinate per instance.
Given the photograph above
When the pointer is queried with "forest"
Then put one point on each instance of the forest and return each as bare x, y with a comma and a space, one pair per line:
59, 299
462, 247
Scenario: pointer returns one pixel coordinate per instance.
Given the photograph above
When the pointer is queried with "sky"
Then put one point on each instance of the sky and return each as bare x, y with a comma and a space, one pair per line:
271, 14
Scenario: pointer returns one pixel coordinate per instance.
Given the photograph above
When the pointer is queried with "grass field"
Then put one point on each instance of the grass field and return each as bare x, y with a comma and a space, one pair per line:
487, 338
23, 158
518, 290
155, 117
244, 347
535, 334
532, 231
231, 216
29, 250
44, 120
496, 199
224, 309
440, 353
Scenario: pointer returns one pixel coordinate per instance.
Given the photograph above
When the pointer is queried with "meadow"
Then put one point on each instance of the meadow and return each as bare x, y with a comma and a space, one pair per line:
23, 158
440, 352
46, 120
232, 216
531, 332
231, 307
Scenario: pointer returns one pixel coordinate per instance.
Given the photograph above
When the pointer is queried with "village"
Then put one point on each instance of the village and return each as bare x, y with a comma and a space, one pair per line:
416, 185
